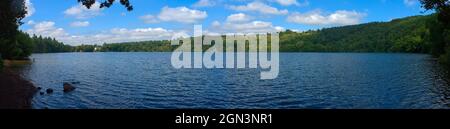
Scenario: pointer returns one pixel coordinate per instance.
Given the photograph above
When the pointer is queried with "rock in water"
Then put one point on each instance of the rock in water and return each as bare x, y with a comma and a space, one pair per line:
41, 93
68, 88
49, 90
39, 88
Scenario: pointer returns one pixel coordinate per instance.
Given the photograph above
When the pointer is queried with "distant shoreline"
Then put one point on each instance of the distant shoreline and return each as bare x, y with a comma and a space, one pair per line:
15, 91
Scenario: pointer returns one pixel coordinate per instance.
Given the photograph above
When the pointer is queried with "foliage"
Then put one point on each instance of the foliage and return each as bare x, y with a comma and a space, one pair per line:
144, 46
85, 48
442, 7
24, 46
440, 28
49, 45
400, 35
106, 3
11, 41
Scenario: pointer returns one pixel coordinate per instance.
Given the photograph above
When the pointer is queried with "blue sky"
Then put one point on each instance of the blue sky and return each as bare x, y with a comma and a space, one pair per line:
68, 21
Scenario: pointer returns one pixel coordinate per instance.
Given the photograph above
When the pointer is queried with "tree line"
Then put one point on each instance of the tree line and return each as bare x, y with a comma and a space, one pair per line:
411, 35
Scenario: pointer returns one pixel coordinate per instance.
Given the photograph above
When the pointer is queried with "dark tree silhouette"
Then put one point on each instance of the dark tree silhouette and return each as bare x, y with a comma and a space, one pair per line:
12, 45
11, 14
106, 3
442, 7
441, 42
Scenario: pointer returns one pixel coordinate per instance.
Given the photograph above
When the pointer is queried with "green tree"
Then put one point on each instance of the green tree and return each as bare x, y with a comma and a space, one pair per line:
106, 3
11, 43
440, 30
442, 7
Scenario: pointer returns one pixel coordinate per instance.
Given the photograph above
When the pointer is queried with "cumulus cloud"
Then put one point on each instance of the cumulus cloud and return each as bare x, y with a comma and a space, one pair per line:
292, 2
178, 14
238, 17
204, 3
215, 24
243, 27
252, 27
80, 24
182, 14
260, 7
81, 12
30, 22
48, 29
30, 8
241, 23
340, 17
149, 18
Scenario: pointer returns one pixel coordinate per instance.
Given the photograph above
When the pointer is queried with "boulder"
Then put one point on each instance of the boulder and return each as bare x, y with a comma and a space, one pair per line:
49, 90
68, 87
39, 88
41, 93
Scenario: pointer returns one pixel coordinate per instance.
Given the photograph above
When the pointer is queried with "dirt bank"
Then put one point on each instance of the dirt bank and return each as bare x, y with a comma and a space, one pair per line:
15, 91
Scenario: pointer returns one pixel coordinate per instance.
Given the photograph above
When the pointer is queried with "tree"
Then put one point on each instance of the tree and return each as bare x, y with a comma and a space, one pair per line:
106, 3
24, 44
11, 14
440, 44
442, 7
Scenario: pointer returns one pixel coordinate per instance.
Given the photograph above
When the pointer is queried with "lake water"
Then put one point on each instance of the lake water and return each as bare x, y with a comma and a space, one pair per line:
306, 80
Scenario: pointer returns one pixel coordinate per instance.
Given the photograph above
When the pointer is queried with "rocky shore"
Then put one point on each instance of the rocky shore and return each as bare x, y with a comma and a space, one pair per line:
15, 91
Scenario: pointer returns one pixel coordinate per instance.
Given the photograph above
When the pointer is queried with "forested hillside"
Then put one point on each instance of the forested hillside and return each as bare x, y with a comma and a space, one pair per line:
410, 34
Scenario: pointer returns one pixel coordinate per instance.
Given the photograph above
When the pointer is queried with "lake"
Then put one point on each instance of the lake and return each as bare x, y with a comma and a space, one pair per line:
306, 80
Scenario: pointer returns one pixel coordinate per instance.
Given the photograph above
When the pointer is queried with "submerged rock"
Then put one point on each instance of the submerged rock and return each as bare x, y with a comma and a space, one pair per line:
41, 93
68, 87
49, 90
39, 88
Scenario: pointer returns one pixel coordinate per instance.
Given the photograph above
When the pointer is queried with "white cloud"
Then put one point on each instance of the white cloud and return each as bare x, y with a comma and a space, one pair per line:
48, 29
149, 19
243, 27
81, 12
80, 24
410, 2
30, 8
204, 3
215, 24
238, 17
252, 27
259, 7
31, 22
292, 2
340, 17
182, 14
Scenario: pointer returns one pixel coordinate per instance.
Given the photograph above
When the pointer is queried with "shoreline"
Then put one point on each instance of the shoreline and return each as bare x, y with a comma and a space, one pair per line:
15, 91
